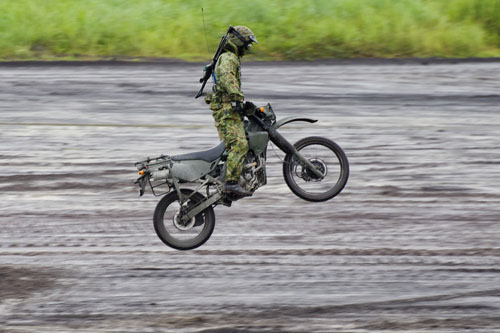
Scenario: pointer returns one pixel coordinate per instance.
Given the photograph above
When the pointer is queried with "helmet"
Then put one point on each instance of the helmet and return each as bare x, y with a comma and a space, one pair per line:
242, 37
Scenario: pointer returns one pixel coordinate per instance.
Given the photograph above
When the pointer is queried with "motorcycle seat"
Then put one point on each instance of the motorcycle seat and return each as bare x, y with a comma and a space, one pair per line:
206, 155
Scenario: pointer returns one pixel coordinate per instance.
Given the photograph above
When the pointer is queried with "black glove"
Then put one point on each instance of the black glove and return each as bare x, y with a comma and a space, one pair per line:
250, 108
244, 108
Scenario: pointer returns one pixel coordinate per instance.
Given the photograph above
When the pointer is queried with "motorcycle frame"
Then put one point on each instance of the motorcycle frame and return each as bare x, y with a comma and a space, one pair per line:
260, 127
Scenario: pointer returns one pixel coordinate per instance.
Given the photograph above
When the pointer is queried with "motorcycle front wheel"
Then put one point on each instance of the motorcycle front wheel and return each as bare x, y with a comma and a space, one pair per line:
328, 158
178, 234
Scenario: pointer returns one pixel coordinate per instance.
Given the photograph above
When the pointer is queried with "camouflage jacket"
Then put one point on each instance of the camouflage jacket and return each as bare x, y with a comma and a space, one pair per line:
228, 75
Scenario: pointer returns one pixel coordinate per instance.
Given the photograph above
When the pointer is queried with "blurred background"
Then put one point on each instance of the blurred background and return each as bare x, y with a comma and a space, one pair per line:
287, 29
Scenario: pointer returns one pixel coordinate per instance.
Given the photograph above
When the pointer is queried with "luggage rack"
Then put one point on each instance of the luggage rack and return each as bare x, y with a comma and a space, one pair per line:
161, 162
158, 184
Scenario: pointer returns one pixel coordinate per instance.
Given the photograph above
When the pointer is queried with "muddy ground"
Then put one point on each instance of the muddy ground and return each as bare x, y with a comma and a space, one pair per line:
410, 245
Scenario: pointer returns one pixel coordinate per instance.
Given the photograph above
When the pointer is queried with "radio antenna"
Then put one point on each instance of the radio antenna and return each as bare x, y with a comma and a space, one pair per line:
205, 30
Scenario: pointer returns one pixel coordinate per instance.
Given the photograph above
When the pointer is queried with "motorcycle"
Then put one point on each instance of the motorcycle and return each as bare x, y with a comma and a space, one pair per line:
315, 169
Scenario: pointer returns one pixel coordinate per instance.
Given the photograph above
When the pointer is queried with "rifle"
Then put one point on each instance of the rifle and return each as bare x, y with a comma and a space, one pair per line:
209, 69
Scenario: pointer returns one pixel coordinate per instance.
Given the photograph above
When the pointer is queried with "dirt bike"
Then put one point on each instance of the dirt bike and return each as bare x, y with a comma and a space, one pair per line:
315, 169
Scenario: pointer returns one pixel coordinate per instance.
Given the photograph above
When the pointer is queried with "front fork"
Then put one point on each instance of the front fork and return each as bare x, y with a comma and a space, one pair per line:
288, 148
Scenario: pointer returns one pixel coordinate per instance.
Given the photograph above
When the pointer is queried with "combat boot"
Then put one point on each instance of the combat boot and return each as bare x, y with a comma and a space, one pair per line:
233, 187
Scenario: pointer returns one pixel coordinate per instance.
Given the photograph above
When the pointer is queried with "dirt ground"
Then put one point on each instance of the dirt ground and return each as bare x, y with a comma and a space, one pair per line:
410, 245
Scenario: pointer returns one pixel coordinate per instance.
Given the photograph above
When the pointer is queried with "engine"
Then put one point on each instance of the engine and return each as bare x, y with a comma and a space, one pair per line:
254, 173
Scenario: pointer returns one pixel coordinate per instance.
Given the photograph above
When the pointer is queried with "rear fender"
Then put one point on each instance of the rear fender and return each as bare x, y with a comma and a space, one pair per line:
287, 120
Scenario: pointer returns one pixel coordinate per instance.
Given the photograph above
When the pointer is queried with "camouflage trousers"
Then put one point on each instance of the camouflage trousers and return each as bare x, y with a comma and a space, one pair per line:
231, 131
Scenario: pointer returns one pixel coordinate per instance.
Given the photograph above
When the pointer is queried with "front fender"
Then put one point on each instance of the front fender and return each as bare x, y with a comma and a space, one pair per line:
287, 120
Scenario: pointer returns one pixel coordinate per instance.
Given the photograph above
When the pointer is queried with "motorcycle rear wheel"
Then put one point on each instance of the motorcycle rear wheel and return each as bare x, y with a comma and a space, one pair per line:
178, 235
329, 158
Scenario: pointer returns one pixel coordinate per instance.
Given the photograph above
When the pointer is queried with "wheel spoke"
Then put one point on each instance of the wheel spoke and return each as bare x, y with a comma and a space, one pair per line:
176, 227
177, 232
325, 161
328, 158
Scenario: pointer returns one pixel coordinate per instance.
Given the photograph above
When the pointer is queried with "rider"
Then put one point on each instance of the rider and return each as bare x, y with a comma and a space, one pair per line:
227, 102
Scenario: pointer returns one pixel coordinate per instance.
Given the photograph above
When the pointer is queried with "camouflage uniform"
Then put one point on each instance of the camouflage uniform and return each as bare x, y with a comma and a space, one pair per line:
227, 120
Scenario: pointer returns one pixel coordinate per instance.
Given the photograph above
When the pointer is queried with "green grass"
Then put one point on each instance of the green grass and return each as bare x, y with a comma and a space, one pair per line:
286, 29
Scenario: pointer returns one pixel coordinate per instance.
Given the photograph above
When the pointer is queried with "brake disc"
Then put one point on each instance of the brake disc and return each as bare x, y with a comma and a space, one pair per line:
308, 175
